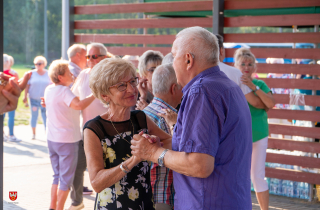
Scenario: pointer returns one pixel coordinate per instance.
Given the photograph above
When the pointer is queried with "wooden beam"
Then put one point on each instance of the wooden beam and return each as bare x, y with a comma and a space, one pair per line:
309, 100
125, 38
294, 130
280, 53
308, 162
292, 175
144, 7
143, 23
273, 38
262, 4
286, 144
137, 50
294, 114
273, 20
306, 84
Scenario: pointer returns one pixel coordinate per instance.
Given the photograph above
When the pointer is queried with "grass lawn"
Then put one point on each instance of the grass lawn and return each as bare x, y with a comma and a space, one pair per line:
22, 116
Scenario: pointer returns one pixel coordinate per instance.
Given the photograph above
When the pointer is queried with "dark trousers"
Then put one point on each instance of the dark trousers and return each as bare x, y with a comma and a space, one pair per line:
76, 193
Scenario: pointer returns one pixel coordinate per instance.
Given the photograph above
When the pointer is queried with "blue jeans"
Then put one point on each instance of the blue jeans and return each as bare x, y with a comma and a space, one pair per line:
10, 121
35, 106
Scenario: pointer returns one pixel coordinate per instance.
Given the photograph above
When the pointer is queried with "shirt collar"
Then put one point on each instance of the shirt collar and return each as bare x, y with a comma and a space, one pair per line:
74, 65
162, 104
200, 75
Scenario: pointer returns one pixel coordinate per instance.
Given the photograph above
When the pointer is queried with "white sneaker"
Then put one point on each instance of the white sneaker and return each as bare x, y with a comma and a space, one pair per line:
81, 206
5, 138
33, 136
13, 139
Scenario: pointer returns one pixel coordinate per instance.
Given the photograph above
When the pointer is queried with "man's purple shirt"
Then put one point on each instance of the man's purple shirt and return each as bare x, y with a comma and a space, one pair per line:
214, 119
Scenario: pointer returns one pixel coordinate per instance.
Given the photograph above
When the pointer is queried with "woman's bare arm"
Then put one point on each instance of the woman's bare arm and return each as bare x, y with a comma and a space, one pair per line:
101, 178
78, 104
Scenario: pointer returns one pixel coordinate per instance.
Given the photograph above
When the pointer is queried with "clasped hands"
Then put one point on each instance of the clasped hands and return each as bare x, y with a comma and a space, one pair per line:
144, 146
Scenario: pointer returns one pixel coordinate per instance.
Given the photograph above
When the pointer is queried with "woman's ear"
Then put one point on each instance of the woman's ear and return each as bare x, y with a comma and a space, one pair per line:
106, 98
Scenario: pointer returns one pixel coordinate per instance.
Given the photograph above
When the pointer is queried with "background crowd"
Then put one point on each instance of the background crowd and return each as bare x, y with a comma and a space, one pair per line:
186, 130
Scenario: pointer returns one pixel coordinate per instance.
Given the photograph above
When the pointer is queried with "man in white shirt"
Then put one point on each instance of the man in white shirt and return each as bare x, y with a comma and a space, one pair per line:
77, 59
235, 75
95, 53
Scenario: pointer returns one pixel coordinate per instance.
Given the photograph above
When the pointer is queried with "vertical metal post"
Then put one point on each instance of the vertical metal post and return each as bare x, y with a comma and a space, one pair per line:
67, 27
45, 30
218, 17
1, 116
311, 192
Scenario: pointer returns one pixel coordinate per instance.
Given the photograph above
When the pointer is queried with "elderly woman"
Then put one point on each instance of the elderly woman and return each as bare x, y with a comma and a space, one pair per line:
245, 61
63, 131
8, 62
148, 62
121, 180
37, 83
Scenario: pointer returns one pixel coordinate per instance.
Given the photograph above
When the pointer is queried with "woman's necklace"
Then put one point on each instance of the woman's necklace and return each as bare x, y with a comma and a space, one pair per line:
119, 133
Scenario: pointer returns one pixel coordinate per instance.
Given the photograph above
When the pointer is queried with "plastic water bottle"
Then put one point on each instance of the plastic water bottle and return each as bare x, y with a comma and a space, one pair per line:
306, 187
289, 189
295, 190
284, 189
271, 189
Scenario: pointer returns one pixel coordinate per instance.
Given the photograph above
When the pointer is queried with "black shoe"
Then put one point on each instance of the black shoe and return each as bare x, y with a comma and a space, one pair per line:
87, 191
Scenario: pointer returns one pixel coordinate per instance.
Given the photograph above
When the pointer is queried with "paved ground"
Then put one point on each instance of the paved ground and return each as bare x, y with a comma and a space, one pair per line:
28, 171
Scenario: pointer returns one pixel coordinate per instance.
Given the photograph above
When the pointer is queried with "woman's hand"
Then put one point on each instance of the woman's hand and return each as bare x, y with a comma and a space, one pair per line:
170, 116
141, 104
248, 82
143, 90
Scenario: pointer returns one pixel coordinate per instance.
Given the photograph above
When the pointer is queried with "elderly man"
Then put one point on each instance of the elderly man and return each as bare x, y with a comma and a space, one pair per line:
167, 95
77, 59
235, 75
212, 142
95, 53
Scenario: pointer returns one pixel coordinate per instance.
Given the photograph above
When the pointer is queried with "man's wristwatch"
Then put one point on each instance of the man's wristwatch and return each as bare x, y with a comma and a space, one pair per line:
257, 88
161, 157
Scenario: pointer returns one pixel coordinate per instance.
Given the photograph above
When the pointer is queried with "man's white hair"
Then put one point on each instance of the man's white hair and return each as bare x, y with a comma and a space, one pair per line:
199, 42
74, 49
103, 50
167, 59
162, 79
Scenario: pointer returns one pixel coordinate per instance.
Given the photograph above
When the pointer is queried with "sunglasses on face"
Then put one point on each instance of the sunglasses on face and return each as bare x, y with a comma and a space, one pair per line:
38, 64
122, 86
93, 56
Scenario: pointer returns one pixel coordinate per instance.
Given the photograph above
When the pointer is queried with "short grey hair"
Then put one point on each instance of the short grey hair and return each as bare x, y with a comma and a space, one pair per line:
103, 50
162, 79
74, 49
167, 59
199, 42
109, 72
6, 59
148, 57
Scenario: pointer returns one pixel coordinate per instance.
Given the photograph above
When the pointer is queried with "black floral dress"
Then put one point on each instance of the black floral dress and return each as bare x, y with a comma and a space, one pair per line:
133, 191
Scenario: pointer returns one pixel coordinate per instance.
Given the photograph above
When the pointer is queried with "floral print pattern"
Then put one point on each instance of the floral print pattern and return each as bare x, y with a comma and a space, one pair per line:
133, 191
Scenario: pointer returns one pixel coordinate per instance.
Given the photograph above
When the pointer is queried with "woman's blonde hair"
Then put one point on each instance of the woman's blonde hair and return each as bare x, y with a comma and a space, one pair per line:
40, 58
57, 67
147, 57
109, 72
243, 54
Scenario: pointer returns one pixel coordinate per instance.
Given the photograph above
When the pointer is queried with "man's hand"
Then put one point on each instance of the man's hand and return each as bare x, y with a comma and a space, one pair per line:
142, 148
141, 104
12, 95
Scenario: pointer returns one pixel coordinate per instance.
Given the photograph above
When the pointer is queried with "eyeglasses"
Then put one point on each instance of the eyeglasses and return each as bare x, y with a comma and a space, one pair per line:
38, 64
93, 56
122, 86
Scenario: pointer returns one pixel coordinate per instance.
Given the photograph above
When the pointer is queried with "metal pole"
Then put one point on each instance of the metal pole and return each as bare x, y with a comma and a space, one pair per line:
311, 193
45, 30
218, 17
1, 116
65, 29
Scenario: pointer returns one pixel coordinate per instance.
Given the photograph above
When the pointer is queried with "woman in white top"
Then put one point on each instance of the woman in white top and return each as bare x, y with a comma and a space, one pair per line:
63, 130
37, 83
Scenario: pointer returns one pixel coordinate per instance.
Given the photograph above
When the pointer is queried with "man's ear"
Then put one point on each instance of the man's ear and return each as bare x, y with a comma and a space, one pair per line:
173, 89
190, 61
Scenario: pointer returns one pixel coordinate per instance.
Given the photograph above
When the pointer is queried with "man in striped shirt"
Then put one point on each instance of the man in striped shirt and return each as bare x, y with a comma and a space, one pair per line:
167, 95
